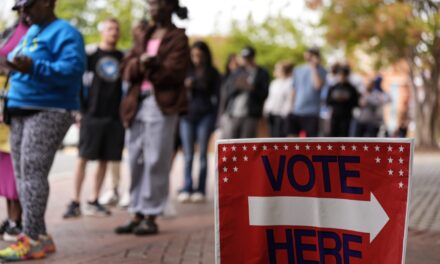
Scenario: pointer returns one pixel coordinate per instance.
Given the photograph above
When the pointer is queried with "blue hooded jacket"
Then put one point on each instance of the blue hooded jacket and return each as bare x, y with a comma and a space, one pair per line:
59, 61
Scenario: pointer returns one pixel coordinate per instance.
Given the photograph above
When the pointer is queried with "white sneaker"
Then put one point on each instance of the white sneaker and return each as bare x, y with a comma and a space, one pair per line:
125, 200
198, 197
183, 197
110, 198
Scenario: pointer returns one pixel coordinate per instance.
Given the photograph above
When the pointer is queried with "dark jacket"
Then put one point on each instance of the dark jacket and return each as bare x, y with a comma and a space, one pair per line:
343, 98
167, 73
204, 94
257, 95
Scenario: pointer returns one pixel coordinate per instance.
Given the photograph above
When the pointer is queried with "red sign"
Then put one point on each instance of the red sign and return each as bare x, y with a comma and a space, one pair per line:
312, 201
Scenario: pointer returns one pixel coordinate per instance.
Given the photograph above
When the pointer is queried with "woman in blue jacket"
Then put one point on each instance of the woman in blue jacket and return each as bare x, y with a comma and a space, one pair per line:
47, 68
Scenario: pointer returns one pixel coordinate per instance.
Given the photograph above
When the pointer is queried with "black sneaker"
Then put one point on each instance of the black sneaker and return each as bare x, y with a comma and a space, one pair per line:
12, 232
73, 211
96, 209
146, 228
4, 226
127, 228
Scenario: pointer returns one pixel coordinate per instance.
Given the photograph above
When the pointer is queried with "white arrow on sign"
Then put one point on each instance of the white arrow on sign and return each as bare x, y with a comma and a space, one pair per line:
359, 216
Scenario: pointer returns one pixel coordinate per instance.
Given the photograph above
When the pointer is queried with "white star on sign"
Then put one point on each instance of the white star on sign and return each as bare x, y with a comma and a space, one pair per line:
401, 161
225, 179
234, 159
353, 147
390, 172
297, 147
377, 148
235, 169
244, 148
390, 148
307, 147
330, 147
224, 149
401, 185
401, 148
264, 147
225, 159
390, 160
319, 147
401, 173
286, 147
254, 148
245, 158
365, 148
275, 147
377, 160
225, 169
234, 148
343, 147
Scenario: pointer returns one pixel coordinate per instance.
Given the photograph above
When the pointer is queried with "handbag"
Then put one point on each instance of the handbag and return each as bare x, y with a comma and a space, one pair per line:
6, 117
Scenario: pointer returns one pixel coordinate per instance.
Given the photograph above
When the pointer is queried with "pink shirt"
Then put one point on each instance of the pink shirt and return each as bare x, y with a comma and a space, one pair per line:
14, 40
152, 50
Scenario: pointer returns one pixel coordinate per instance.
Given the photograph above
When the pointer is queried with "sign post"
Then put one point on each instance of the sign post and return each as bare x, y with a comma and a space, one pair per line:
312, 200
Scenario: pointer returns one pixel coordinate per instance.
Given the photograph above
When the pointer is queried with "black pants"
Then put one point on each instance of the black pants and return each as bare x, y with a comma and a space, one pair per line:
307, 123
277, 126
366, 130
340, 126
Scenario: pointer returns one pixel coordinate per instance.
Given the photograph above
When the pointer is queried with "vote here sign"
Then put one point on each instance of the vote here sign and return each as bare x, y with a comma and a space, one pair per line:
312, 201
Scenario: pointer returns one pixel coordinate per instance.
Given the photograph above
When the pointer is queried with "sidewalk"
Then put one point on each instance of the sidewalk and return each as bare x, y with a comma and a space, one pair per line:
189, 237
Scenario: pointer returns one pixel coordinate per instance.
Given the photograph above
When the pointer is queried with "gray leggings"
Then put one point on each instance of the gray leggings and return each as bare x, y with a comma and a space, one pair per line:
34, 142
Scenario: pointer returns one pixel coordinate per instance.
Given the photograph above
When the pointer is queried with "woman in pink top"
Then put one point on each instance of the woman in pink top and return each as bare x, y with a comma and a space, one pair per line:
11, 227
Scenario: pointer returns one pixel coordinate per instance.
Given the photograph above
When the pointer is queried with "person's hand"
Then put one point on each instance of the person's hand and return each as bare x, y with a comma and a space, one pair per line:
78, 120
22, 64
315, 61
242, 82
146, 60
189, 82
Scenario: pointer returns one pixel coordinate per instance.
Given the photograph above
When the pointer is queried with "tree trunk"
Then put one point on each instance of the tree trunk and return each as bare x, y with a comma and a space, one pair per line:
426, 137
426, 110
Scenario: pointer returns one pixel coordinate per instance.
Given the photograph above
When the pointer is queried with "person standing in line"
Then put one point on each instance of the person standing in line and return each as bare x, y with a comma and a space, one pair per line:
112, 197
156, 69
101, 130
196, 126
308, 82
231, 66
277, 105
246, 91
11, 227
47, 66
370, 116
342, 97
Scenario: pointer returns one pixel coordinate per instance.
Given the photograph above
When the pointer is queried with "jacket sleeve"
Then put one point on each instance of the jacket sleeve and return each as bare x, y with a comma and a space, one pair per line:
261, 90
69, 62
170, 71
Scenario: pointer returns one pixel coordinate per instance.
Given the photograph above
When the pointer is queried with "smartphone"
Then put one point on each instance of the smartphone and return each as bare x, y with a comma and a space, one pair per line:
5, 62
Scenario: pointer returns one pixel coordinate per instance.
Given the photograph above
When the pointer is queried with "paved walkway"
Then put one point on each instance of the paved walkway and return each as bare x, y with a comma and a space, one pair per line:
189, 238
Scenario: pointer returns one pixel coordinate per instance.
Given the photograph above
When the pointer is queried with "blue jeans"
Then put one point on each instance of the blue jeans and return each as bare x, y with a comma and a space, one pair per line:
192, 132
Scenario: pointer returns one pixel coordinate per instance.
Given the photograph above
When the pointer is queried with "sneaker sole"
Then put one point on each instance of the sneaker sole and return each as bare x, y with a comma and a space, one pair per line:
93, 214
50, 249
10, 238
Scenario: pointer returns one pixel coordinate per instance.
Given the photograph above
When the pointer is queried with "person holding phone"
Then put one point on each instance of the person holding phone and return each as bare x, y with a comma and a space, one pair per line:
48, 66
196, 126
11, 227
156, 69
246, 92
309, 80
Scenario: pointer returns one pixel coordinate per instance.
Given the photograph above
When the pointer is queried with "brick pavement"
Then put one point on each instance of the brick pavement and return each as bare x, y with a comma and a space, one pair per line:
189, 238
